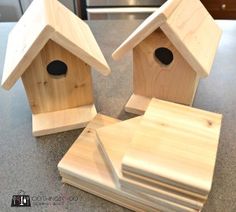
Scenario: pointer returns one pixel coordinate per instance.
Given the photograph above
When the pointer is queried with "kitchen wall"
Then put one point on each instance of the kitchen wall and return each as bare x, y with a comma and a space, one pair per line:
12, 10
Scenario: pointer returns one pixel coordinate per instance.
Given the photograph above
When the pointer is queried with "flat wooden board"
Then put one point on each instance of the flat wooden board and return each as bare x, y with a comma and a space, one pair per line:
194, 33
146, 28
175, 144
63, 120
114, 195
137, 104
114, 141
174, 82
83, 166
47, 93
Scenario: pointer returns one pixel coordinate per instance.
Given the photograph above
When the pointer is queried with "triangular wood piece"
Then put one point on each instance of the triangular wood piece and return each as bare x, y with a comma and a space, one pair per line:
176, 145
83, 166
114, 141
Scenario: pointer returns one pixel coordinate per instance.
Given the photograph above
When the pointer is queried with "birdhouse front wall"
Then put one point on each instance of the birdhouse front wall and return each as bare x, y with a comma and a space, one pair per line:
160, 71
57, 80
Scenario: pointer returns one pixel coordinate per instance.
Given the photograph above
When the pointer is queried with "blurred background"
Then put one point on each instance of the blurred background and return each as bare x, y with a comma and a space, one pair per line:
12, 10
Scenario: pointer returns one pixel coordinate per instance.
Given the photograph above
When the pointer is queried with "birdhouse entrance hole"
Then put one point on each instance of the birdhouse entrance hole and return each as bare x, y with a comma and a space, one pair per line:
57, 68
164, 56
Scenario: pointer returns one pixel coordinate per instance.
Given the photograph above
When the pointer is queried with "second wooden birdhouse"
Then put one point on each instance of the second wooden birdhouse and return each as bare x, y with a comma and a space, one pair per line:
52, 50
172, 49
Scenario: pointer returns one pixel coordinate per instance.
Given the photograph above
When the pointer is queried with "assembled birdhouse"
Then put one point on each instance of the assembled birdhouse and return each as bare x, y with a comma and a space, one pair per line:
172, 49
52, 51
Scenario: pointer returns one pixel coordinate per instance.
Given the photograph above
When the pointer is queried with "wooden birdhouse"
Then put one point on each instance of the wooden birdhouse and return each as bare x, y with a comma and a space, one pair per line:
52, 51
172, 49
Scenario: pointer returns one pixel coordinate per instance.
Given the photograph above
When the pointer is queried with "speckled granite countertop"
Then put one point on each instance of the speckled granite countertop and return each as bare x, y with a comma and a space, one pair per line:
30, 163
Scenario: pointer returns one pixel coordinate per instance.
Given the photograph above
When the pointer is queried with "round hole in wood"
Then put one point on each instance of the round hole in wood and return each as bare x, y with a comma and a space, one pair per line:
57, 68
164, 56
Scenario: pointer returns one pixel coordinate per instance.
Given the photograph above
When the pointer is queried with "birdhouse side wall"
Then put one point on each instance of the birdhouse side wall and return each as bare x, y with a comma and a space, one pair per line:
49, 88
174, 82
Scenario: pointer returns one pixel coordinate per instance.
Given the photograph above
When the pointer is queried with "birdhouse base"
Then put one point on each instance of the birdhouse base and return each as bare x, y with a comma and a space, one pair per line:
63, 120
137, 104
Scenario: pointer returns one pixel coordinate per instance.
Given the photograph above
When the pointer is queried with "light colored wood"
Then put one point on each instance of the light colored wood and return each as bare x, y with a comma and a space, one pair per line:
83, 166
190, 28
195, 89
176, 145
47, 93
46, 20
77, 38
153, 22
64, 120
25, 41
116, 198
174, 82
137, 104
194, 33
114, 141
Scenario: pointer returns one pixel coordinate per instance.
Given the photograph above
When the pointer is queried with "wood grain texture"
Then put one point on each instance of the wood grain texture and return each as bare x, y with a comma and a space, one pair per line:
194, 33
114, 141
137, 104
174, 82
176, 145
47, 93
83, 166
63, 120
25, 41
46, 20
126, 201
77, 38
149, 25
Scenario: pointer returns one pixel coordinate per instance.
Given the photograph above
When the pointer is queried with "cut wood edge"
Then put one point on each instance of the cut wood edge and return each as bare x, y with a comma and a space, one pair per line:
146, 28
137, 104
63, 120
122, 200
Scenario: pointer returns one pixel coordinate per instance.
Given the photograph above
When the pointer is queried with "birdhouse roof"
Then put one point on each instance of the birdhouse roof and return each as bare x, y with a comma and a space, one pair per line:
45, 20
190, 28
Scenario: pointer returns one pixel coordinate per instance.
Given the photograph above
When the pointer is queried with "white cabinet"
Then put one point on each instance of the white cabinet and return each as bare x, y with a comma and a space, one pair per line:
9, 10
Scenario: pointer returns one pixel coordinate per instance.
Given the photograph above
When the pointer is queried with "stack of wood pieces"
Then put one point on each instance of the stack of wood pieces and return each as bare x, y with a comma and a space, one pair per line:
163, 160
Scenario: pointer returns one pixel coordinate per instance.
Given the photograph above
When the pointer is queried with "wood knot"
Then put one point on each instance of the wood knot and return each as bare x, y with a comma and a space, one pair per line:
45, 82
209, 123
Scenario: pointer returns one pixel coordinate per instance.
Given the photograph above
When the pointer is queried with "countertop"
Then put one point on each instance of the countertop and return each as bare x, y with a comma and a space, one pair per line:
30, 164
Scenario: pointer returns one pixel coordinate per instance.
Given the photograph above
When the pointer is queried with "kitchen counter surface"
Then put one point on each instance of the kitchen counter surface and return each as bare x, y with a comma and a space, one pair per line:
30, 164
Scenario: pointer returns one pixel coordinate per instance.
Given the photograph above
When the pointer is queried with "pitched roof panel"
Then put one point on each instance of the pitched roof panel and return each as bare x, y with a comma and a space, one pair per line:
46, 20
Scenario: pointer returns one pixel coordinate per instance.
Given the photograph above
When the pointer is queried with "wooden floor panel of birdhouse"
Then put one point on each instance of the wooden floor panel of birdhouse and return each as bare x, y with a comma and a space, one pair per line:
83, 166
176, 145
114, 141
63, 120
137, 104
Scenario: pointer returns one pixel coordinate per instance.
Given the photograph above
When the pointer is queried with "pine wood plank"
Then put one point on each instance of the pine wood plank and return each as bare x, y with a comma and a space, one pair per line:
47, 93
25, 41
146, 28
114, 141
137, 104
175, 144
126, 201
83, 166
63, 120
194, 33
174, 82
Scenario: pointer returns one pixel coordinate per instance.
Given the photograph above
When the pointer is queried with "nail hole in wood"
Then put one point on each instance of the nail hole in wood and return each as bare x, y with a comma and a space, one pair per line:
164, 56
57, 68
